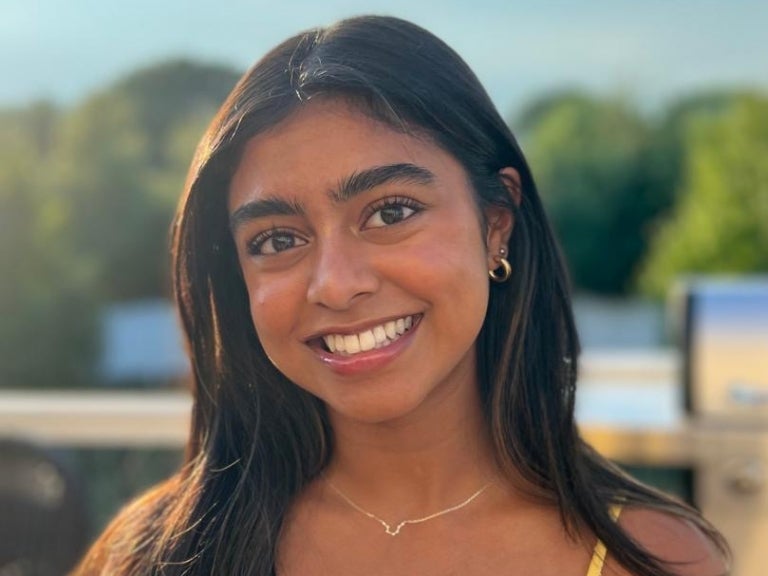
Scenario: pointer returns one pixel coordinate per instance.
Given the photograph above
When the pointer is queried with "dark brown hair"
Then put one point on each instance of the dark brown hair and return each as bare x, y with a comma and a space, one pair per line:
257, 439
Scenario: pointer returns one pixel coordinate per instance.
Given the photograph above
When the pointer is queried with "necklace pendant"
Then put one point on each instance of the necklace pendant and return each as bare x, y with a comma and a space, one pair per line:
396, 531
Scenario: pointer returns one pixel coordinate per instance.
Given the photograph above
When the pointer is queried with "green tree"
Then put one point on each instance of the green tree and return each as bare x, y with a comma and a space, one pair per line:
122, 163
86, 198
720, 224
592, 160
47, 326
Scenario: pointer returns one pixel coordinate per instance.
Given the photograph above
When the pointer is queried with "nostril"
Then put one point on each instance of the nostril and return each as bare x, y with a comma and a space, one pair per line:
343, 286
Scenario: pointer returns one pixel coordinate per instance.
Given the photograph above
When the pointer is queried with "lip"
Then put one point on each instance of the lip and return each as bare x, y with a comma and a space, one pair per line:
372, 359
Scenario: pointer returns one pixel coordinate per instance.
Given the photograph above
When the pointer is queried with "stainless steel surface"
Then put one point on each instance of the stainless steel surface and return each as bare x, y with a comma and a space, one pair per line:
746, 394
732, 494
725, 380
725, 349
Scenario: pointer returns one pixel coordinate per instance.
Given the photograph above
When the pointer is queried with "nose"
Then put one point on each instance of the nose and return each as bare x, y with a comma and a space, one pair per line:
343, 274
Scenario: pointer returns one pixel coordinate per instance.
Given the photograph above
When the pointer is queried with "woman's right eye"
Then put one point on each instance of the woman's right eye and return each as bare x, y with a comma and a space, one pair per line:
274, 242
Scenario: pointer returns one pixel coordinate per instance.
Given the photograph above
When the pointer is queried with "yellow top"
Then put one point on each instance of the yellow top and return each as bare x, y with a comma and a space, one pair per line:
598, 556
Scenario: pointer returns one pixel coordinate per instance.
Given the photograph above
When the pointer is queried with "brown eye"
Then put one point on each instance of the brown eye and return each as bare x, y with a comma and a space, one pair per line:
392, 211
274, 242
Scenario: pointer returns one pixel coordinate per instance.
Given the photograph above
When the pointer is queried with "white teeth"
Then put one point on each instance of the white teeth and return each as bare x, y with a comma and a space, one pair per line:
352, 343
380, 334
376, 337
367, 341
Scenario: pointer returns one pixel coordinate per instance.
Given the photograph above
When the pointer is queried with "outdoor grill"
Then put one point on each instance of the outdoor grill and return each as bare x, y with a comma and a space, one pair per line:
725, 376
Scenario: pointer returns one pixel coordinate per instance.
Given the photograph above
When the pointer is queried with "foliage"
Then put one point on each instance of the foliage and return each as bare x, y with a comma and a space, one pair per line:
87, 195
86, 198
720, 224
593, 161
123, 160
46, 333
609, 175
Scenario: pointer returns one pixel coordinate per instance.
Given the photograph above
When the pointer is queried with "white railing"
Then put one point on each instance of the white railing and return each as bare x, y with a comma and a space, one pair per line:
628, 406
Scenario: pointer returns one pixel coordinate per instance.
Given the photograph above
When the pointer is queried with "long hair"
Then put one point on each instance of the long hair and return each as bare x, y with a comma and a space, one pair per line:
257, 439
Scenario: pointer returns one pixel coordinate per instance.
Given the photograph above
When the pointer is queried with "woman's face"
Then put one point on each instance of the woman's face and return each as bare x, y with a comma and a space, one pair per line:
365, 261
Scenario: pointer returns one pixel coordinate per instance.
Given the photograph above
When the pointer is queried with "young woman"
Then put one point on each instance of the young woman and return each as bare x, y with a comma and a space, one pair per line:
382, 343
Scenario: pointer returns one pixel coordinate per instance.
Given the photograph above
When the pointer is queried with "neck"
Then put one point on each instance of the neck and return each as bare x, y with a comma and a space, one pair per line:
421, 462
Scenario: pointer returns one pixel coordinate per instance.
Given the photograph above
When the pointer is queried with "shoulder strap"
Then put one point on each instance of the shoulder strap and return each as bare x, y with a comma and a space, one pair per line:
599, 553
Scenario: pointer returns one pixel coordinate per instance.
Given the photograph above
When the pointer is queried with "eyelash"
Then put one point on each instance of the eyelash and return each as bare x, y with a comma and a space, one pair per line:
391, 201
256, 245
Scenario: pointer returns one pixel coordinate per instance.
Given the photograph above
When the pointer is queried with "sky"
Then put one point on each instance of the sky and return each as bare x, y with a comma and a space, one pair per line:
652, 51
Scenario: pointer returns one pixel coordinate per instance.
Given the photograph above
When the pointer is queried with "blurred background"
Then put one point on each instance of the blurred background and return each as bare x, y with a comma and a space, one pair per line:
646, 125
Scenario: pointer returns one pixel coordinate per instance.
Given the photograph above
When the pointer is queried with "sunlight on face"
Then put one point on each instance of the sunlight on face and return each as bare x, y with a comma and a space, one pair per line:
364, 259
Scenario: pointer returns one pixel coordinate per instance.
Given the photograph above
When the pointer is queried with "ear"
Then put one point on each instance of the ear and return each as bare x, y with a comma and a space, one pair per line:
511, 179
500, 220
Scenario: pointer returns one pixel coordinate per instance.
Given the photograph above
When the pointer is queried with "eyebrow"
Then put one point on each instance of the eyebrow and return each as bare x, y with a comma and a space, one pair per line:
263, 208
365, 180
346, 189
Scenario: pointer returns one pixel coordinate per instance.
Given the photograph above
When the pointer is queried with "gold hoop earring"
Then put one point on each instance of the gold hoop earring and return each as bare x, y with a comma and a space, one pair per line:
504, 275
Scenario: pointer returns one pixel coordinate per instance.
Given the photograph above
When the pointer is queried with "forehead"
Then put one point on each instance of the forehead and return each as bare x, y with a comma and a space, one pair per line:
324, 142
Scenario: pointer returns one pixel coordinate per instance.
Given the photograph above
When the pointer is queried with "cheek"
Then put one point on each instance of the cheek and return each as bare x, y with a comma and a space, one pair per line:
448, 265
460, 252
462, 265
273, 304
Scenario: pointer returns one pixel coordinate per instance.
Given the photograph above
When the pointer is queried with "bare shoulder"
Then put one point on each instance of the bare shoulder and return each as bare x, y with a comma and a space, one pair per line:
114, 550
683, 546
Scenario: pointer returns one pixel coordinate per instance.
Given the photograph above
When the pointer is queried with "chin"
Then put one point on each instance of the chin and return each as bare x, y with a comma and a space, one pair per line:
375, 411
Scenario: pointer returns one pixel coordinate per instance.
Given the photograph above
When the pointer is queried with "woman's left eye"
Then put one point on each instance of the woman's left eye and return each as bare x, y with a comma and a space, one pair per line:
391, 212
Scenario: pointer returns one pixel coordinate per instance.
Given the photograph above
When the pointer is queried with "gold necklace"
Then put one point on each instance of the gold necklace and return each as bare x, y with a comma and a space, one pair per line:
394, 532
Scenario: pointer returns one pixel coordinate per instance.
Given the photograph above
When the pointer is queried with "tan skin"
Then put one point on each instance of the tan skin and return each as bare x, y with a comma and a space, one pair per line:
409, 433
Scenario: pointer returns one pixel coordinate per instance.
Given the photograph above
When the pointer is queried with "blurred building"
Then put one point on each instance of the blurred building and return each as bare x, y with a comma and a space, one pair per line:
142, 344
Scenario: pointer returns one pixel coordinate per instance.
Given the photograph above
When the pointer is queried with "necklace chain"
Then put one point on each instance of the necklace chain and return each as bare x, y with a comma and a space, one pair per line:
396, 530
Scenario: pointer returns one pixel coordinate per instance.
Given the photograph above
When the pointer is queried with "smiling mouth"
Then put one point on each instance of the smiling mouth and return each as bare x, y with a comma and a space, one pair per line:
377, 337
